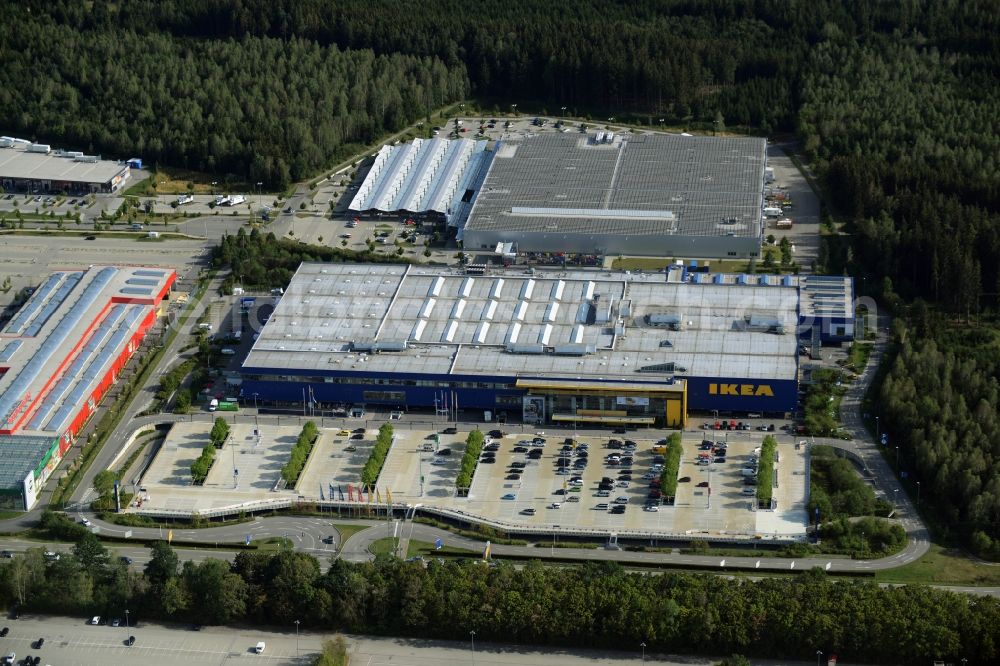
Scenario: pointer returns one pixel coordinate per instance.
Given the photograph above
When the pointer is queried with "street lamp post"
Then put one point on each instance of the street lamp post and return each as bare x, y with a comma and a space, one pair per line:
472, 634
643, 646
819, 654
897, 458
918, 494
126, 622
296, 638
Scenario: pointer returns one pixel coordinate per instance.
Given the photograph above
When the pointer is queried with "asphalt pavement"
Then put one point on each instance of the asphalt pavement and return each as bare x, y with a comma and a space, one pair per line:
72, 641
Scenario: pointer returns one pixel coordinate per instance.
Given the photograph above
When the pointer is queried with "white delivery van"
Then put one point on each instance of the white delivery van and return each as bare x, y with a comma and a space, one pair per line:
214, 405
259, 647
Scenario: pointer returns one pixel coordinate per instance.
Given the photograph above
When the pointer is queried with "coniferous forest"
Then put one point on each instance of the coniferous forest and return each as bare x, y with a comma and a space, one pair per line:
896, 105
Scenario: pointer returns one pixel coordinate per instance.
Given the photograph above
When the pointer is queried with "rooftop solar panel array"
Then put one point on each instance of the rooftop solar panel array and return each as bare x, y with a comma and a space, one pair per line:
75, 371
93, 371
9, 349
53, 304
699, 186
37, 301
13, 391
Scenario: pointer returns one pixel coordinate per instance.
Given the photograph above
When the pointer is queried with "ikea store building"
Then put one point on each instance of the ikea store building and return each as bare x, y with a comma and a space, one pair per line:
544, 346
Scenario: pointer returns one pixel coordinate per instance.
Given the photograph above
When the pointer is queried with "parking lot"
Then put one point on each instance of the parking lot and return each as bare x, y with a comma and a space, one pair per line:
168, 479
336, 461
584, 484
28, 260
408, 461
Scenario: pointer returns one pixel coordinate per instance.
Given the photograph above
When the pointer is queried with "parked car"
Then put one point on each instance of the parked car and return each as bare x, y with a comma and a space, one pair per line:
509, 496
443, 452
528, 512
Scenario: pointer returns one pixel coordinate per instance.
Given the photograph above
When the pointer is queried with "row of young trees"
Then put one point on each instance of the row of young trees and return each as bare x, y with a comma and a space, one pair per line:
473, 447
765, 471
590, 606
299, 453
373, 466
671, 467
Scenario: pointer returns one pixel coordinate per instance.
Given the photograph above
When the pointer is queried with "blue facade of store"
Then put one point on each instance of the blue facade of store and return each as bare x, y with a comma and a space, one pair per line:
498, 393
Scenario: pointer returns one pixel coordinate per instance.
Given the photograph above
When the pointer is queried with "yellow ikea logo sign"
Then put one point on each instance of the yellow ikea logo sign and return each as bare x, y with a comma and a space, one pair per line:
751, 390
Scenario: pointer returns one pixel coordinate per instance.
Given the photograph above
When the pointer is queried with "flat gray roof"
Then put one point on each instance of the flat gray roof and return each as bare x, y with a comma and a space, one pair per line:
19, 455
636, 184
587, 325
827, 296
15, 162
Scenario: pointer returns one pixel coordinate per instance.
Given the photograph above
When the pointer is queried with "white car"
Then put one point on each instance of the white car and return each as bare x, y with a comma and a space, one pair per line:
85, 522
622, 484
621, 500
555, 505
576, 482
652, 508
96, 620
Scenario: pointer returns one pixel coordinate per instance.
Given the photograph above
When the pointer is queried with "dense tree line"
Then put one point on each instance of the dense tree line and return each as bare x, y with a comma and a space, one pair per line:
897, 103
595, 605
261, 108
262, 261
941, 403
904, 132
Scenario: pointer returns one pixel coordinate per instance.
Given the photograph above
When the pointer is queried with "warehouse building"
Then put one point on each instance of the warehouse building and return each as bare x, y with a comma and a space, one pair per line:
545, 346
432, 180
631, 194
59, 355
35, 168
